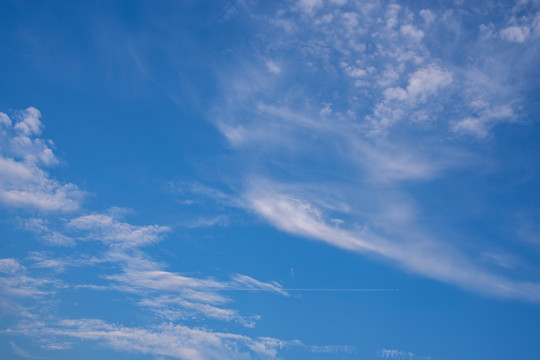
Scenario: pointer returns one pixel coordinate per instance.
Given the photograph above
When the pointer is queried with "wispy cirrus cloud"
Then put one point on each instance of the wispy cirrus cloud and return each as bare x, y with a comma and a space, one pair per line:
342, 119
175, 341
17, 350
167, 339
105, 228
370, 102
420, 254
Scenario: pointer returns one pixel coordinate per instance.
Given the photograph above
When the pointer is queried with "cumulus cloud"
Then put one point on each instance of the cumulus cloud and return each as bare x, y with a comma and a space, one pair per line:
485, 119
29, 122
5, 120
428, 15
520, 30
400, 103
384, 85
411, 31
515, 33
428, 81
24, 182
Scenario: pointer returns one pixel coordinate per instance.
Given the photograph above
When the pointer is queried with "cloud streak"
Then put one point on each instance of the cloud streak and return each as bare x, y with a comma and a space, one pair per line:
175, 341
421, 255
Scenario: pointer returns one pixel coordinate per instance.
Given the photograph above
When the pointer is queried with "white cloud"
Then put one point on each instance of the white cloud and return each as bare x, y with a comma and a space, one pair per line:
58, 239
273, 67
515, 33
399, 102
428, 15
173, 308
402, 84
410, 30
394, 162
355, 71
19, 285
351, 20
428, 81
339, 2
394, 354
175, 341
107, 229
140, 273
23, 179
5, 120
168, 294
392, 15
422, 83
421, 254
160, 280
20, 290
309, 6
332, 349
173, 296
53, 198
397, 106
244, 282
10, 266
35, 225
29, 123
220, 220
520, 30
17, 350
47, 260
481, 124
486, 31
236, 135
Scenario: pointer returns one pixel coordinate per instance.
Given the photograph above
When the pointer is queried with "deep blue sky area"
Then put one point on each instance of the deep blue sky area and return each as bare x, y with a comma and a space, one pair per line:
302, 179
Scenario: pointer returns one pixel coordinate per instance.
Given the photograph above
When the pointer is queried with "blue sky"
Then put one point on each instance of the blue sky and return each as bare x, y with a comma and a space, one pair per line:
312, 179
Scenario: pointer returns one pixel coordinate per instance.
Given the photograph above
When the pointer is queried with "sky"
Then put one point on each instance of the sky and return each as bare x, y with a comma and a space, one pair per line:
300, 179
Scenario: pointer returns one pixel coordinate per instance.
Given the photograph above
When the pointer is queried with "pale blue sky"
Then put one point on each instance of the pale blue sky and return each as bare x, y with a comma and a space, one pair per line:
312, 179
